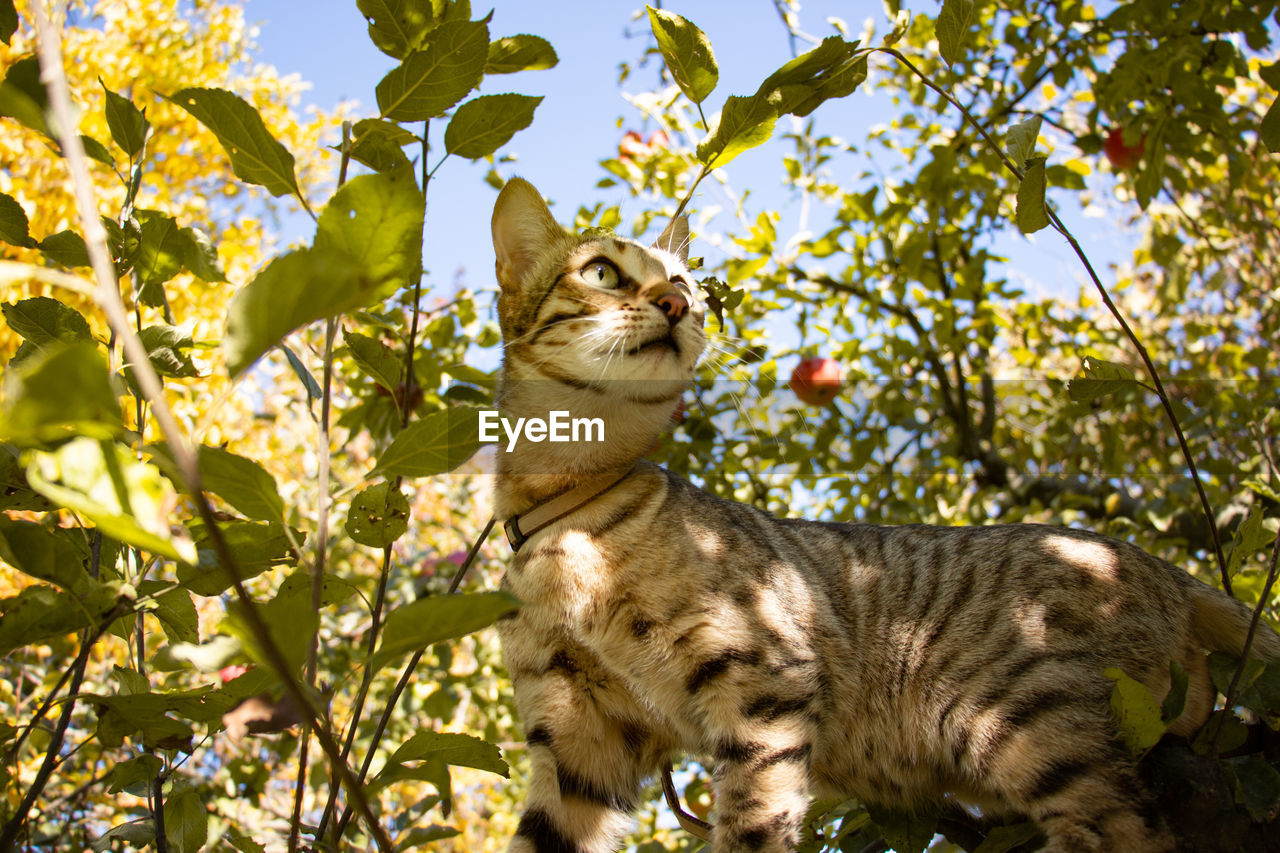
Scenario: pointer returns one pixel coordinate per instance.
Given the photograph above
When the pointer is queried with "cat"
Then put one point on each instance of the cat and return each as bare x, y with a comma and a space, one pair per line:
890, 664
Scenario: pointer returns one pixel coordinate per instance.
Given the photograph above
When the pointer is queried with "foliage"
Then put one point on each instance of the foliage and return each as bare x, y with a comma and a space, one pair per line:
146, 622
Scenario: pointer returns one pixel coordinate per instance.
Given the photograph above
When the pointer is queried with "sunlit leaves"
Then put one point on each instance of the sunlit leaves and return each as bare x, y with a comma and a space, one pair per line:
1136, 711
168, 348
1020, 141
397, 26
57, 391
378, 516
22, 95
126, 122
376, 221
43, 321
954, 26
375, 359
833, 69
256, 155
1032, 215
436, 76
520, 53
687, 52
103, 481
241, 482
745, 122
484, 124
14, 227
438, 618
291, 291
1100, 378
40, 613
435, 444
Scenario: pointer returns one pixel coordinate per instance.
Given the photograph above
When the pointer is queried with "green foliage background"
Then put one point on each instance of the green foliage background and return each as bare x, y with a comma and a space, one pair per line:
138, 569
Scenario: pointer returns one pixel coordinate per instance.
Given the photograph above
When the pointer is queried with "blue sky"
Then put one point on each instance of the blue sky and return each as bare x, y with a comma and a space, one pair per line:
326, 43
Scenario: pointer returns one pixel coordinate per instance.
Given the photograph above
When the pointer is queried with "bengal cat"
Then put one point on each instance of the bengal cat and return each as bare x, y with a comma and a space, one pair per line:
890, 664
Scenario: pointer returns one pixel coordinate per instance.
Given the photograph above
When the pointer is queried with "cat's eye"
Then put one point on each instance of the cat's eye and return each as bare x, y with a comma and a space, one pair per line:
600, 273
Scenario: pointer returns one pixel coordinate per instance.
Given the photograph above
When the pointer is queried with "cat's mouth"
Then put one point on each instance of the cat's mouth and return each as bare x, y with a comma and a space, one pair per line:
667, 342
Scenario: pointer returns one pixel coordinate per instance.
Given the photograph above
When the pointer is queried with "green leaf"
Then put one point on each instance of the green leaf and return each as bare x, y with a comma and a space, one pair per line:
520, 53
1020, 141
127, 499
436, 444
40, 613
687, 52
23, 96
954, 27
174, 609
458, 750
375, 359
1176, 699
1031, 212
314, 391
903, 832
134, 835
1257, 785
159, 255
745, 122
1100, 379
39, 552
208, 657
833, 69
375, 147
1005, 838
59, 390
8, 20
186, 821
126, 122
378, 516
241, 482
293, 290
43, 321
242, 842
199, 256
417, 836
255, 154
377, 221
397, 26
1136, 712
432, 79
288, 615
1269, 129
14, 226
135, 774
255, 547
483, 125
438, 618
1150, 179
97, 151
66, 249
167, 347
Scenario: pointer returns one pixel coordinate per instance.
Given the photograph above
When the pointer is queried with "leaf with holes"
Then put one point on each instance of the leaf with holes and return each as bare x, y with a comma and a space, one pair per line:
256, 155
378, 516
376, 220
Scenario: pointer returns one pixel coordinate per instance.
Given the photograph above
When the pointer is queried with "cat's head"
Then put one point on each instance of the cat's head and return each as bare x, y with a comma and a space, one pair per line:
599, 311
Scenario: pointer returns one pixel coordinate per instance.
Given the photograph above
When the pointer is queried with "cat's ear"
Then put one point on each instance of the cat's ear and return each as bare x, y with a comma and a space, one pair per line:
675, 238
523, 231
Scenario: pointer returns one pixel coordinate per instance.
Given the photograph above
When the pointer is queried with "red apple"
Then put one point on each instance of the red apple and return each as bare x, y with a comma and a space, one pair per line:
1123, 156
816, 380
658, 139
631, 146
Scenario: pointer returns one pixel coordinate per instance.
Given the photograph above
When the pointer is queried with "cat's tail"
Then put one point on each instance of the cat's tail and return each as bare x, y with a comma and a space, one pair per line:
1221, 624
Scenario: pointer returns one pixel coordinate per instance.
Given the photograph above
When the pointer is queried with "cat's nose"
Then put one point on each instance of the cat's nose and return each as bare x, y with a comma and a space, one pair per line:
671, 302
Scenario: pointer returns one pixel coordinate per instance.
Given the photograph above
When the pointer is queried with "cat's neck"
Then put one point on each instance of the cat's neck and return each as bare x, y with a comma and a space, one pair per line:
589, 431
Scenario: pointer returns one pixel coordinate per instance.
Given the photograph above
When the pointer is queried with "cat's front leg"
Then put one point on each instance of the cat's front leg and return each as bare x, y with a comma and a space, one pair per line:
588, 753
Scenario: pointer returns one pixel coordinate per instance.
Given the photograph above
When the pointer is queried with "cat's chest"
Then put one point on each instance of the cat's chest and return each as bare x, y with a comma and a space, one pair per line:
566, 573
